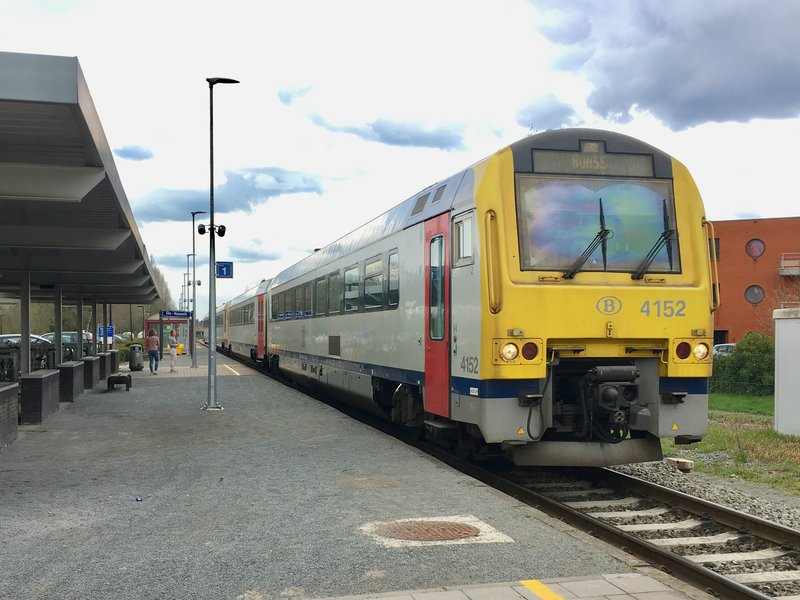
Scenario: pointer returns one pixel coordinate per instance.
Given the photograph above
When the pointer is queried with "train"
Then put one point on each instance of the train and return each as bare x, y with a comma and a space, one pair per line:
552, 303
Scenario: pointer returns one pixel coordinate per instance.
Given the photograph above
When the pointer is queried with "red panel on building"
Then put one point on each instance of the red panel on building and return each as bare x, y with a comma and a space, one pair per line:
759, 271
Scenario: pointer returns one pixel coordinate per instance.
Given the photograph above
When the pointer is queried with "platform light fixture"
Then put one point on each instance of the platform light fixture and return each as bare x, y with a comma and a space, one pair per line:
212, 260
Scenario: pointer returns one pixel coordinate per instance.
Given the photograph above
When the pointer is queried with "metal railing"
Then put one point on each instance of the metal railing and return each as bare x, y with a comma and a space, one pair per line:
790, 263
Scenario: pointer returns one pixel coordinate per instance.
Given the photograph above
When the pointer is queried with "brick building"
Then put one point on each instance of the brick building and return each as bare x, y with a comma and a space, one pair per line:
759, 271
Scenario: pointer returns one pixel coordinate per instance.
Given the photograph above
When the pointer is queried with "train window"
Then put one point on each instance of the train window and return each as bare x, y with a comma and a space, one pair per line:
320, 297
436, 294
274, 306
560, 217
296, 307
420, 204
438, 195
462, 241
308, 292
281, 305
373, 283
334, 293
288, 304
351, 289
394, 279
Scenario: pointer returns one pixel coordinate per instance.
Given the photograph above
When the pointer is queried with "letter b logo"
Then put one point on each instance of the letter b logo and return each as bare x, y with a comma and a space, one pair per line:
609, 305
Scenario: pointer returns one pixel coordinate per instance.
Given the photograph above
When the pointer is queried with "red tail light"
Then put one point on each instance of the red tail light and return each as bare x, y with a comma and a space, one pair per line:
530, 351
683, 350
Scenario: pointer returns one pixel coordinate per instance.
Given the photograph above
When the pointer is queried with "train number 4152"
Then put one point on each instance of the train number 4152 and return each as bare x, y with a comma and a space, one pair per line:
663, 308
469, 364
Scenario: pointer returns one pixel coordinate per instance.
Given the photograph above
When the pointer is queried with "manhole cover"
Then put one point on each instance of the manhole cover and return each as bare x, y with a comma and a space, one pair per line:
427, 531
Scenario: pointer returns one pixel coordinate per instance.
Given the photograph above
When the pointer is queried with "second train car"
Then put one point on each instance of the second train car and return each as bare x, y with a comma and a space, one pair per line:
552, 302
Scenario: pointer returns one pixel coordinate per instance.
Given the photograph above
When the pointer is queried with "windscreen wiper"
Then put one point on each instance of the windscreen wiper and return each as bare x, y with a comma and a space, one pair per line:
668, 235
600, 238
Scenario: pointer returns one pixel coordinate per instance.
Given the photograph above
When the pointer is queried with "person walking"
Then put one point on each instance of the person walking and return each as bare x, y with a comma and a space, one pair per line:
151, 345
173, 349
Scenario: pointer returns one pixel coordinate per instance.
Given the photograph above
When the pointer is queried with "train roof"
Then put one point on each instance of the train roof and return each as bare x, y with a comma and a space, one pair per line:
430, 202
569, 140
254, 291
433, 200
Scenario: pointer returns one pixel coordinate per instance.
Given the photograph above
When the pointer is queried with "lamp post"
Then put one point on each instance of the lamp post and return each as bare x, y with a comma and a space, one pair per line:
212, 261
188, 273
193, 336
184, 289
187, 288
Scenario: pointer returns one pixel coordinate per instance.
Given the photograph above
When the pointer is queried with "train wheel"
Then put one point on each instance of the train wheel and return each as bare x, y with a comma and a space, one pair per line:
464, 446
407, 407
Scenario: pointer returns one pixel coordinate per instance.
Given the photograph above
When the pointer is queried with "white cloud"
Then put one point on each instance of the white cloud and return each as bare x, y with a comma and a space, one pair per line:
464, 66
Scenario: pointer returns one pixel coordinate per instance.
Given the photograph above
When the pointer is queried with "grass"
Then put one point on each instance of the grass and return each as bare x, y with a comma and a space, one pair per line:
755, 405
744, 445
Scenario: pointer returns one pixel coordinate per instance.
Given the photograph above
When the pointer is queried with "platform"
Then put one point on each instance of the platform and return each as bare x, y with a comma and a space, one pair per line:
141, 494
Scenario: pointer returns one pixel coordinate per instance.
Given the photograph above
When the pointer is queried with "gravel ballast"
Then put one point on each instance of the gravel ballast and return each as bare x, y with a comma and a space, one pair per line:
759, 500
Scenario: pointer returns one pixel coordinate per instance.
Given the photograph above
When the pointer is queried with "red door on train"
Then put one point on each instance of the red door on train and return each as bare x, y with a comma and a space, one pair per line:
437, 316
261, 310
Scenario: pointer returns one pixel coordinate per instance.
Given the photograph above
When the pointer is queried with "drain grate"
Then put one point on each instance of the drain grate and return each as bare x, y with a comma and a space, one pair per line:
427, 531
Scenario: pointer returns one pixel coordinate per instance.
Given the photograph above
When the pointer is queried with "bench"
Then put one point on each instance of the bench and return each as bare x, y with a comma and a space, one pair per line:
118, 379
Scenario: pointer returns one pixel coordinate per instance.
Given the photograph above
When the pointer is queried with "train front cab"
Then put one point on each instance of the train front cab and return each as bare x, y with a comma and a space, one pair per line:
595, 288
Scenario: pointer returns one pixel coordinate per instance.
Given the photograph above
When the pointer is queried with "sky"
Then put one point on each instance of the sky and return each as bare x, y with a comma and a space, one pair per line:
346, 108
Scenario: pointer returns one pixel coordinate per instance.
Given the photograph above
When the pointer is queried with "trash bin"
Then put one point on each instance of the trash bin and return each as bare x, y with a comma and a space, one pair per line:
135, 357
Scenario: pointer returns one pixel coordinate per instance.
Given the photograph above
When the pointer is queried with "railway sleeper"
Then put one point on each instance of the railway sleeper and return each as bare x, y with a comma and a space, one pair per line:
766, 554
766, 577
720, 538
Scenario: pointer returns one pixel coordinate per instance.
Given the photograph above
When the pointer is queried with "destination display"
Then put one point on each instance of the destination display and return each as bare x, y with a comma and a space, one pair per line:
594, 162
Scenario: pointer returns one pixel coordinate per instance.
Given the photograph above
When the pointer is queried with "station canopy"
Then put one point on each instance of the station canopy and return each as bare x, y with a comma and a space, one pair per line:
64, 216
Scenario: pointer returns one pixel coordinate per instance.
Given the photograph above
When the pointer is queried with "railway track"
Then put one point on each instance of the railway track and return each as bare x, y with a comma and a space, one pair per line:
728, 553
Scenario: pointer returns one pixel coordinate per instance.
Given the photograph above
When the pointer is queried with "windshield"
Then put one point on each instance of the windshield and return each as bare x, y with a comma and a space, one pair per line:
558, 219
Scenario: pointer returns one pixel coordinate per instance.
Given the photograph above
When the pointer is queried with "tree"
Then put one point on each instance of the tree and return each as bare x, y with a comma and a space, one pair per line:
125, 317
749, 369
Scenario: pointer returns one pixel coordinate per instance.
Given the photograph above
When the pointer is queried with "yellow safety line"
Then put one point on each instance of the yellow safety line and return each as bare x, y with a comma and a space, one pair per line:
231, 369
541, 590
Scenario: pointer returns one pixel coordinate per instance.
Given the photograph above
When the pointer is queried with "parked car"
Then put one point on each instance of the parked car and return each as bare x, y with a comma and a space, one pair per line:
15, 339
68, 337
722, 349
69, 341
42, 350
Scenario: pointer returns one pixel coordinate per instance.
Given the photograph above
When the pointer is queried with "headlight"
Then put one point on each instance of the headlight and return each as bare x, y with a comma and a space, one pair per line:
700, 351
509, 352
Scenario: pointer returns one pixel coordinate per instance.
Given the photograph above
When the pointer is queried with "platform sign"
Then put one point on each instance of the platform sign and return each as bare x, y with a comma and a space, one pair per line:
224, 270
183, 314
109, 331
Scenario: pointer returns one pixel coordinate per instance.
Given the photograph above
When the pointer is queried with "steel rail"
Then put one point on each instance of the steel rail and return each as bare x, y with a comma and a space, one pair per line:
768, 530
673, 564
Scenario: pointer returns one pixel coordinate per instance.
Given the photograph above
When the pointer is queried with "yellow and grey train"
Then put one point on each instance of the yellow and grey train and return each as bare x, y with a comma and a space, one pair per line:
552, 302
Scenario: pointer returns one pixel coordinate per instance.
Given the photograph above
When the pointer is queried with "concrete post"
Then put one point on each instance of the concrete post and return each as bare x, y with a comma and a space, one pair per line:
25, 323
79, 325
59, 325
787, 375
93, 323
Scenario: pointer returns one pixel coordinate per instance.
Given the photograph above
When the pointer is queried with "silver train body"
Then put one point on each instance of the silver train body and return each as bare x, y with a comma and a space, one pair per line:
432, 315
